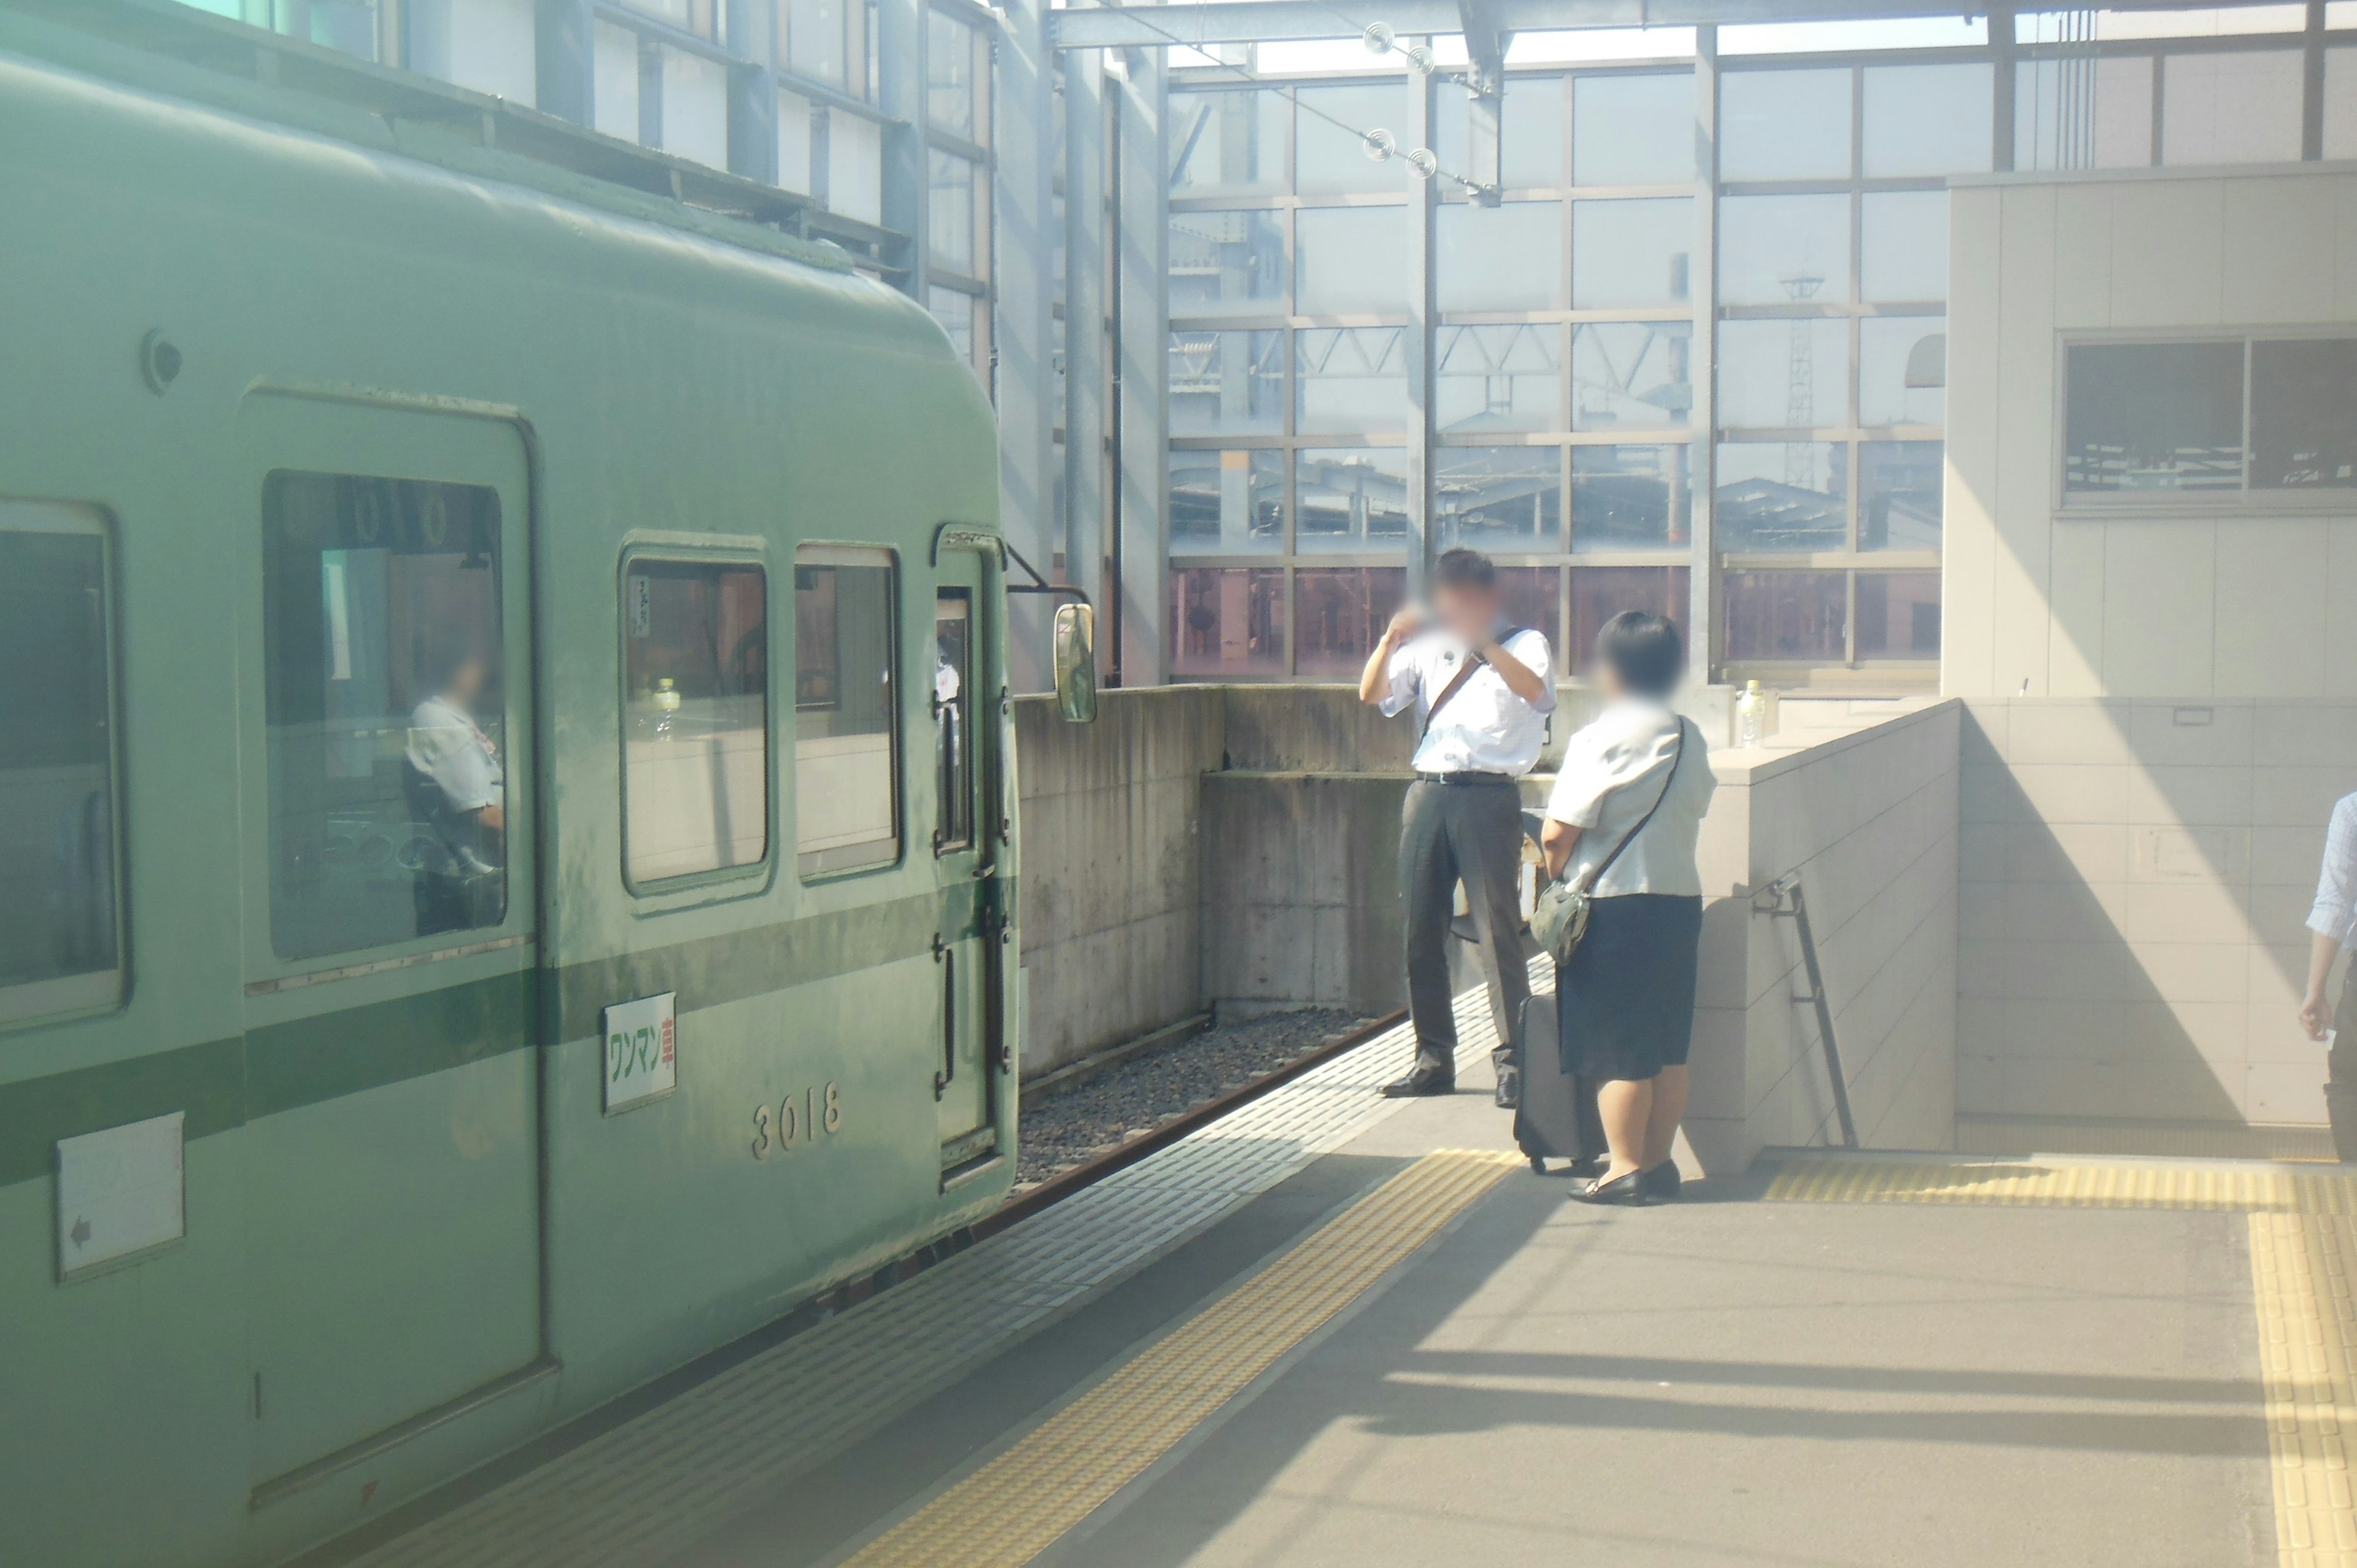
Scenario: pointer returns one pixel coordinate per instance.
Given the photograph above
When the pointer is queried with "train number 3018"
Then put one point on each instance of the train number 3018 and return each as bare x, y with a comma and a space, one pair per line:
797, 1120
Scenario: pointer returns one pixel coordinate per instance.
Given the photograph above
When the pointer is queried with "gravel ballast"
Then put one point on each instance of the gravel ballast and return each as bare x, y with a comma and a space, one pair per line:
1061, 1129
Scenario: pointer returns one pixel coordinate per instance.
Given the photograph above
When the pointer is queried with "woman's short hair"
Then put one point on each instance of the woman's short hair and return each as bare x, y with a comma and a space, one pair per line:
1644, 650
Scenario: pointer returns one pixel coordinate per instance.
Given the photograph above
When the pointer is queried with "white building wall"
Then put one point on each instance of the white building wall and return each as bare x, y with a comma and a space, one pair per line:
2162, 708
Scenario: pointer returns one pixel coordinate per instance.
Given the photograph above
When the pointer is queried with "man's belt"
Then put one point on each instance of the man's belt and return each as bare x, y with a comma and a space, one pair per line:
1464, 777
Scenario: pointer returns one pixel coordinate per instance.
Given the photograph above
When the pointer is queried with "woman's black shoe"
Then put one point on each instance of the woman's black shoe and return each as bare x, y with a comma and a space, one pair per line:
1428, 1078
1627, 1190
1663, 1182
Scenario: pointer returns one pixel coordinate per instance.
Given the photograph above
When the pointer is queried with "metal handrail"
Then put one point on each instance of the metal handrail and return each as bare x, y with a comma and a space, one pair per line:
1782, 900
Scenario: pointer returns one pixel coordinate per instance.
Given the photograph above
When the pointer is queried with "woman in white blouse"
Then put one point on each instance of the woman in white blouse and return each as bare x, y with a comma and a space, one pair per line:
2333, 927
1626, 998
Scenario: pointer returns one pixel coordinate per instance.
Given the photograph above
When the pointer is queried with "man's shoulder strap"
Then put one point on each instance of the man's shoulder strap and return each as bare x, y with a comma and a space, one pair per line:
1473, 662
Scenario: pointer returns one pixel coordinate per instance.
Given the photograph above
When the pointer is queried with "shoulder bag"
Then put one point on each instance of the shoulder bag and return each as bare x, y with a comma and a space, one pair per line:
1559, 917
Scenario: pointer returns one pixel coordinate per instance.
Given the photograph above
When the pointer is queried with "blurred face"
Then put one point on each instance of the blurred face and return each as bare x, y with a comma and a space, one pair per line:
465, 683
1469, 614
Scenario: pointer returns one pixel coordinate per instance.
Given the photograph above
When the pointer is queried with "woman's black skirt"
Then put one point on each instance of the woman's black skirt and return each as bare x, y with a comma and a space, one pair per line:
1626, 999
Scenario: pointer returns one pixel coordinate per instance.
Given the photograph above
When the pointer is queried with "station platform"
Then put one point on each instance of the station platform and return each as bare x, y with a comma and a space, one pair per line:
1332, 1330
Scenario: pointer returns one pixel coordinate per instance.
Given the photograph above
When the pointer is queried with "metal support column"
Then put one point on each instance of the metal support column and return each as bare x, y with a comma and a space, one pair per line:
1485, 48
1142, 251
1088, 378
2312, 97
752, 100
900, 92
1025, 328
1705, 655
565, 68
1420, 340
2002, 55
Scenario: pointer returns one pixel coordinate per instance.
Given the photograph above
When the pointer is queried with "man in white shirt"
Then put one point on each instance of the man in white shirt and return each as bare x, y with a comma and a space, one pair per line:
1482, 690
2333, 927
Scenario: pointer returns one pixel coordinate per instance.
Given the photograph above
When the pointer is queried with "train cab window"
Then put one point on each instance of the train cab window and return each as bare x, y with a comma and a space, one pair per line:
695, 731
846, 767
953, 713
60, 941
386, 707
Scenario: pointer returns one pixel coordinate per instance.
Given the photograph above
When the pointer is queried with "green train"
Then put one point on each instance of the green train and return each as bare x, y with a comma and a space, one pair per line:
507, 870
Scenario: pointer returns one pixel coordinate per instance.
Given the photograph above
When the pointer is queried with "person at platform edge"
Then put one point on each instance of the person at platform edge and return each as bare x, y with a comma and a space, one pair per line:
1483, 689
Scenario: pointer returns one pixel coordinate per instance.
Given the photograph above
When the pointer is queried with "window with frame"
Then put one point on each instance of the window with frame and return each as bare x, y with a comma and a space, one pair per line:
846, 745
696, 728
2194, 421
386, 710
953, 719
61, 935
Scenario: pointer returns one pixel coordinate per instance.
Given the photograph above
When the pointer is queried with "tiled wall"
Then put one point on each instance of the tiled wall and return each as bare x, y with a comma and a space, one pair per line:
2135, 877
1869, 820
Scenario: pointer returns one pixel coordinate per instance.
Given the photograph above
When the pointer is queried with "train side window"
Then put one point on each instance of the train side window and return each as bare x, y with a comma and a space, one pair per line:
953, 710
387, 708
60, 925
696, 741
846, 762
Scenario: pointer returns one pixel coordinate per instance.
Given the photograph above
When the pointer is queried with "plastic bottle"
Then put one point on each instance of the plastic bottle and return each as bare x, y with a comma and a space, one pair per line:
1750, 716
667, 705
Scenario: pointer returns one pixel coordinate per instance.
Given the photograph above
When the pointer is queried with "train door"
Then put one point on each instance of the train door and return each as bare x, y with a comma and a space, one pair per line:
391, 907
966, 702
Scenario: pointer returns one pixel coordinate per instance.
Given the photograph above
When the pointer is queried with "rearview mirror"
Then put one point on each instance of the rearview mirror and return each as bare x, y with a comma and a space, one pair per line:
1076, 663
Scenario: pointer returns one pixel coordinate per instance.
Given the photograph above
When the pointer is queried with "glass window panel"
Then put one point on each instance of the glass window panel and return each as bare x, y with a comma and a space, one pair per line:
950, 75
2109, 103
1226, 383
1786, 615
1330, 132
1783, 375
1898, 614
2341, 103
695, 108
855, 167
1599, 593
1530, 130
488, 45
1903, 246
1228, 144
1633, 130
1227, 621
1783, 496
2304, 414
614, 87
953, 309
1350, 379
2153, 416
1772, 249
347, 25
1899, 485
1926, 118
847, 763
695, 738
2231, 108
1504, 499
1497, 257
1529, 595
387, 711
1340, 614
950, 222
816, 42
1351, 499
953, 719
795, 143
1226, 503
1351, 261
1632, 375
1495, 379
1784, 125
1632, 253
1226, 261
1629, 497
59, 931
1902, 370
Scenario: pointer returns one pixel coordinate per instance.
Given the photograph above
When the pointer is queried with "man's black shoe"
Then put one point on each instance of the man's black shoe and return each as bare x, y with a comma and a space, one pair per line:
1427, 1078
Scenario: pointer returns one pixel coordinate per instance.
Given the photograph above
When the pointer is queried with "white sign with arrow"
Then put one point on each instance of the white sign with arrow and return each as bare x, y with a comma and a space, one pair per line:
120, 1191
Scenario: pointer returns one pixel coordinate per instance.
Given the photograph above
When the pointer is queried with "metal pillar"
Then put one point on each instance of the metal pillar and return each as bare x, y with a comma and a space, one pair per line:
564, 68
1702, 366
1420, 340
2311, 98
900, 92
1024, 331
2002, 55
1088, 380
1485, 48
1141, 375
752, 101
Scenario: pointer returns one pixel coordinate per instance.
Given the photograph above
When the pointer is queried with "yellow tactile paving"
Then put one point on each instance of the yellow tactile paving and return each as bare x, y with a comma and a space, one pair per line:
1018, 1504
2149, 1140
2303, 1241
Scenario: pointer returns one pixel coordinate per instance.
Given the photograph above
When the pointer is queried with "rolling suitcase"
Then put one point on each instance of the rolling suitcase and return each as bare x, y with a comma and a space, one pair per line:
1557, 1119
